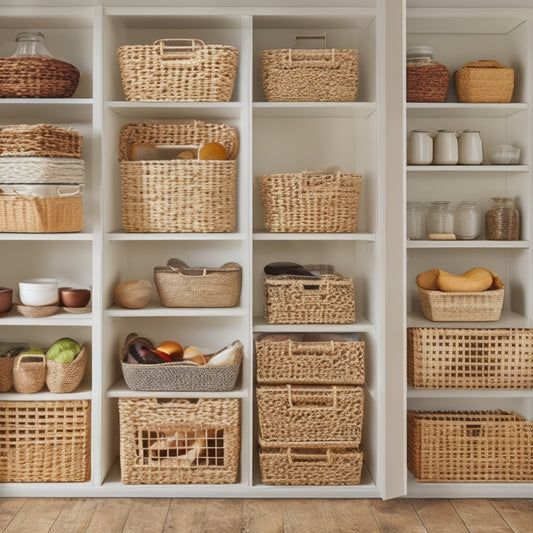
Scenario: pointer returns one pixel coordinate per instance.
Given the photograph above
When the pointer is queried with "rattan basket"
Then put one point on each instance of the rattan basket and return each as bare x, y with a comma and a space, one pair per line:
37, 77
426, 81
39, 140
469, 446
171, 441
45, 441
310, 75
320, 465
179, 70
179, 285
300, 414
29, 373
327, 300
61, 211
318, 358
180, 376
42, 170
173, 196
439, 358
66, 377
484, 81
6, 373
311, 201
461, 306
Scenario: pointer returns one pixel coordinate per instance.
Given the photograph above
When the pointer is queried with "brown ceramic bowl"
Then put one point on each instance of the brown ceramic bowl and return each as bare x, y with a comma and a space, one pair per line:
6, 299
73, 297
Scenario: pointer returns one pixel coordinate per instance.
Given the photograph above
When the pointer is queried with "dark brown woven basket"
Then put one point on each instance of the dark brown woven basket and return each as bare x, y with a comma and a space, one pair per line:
37, 77
427, 81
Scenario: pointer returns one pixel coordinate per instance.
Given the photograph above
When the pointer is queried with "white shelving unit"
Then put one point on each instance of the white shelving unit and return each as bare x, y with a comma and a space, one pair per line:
459, 36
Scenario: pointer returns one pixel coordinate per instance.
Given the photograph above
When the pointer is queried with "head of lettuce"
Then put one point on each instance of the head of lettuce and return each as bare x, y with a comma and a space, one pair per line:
63, 350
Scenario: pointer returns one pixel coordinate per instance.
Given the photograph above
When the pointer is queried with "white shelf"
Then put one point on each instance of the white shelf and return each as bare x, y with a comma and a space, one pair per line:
46, 237
360, 326
508, 319
502, 394
49, 110
156, 310
164, 110
61, 318
123, 236
269, 236
467, 244
468, 168
313, 109
459, 110
83, 392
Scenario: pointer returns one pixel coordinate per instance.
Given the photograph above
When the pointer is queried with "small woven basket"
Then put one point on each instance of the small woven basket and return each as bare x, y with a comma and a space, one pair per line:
179, 441
173, 196
37, 77
469, 446
179, 285
66, 377
6, 373
311, 201
327, 300
29, 373
42, 170
299, 414
320, 465
484, 81
180, 376
461, 306
42, 140
178, 70
45, 441
320, 359
310, 75
439, 358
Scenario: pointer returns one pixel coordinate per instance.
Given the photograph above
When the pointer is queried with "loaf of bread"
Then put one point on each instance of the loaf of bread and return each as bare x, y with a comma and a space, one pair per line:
476, 279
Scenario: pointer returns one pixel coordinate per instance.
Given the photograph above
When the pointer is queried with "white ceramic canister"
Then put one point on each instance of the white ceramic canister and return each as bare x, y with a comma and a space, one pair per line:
470, 148
419, 148
445, 149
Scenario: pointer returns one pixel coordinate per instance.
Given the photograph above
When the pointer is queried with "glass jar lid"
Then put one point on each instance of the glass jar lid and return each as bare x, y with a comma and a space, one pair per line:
419, 52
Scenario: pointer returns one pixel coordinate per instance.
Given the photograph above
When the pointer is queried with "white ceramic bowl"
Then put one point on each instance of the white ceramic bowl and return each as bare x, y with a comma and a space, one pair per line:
505, 154
39, 291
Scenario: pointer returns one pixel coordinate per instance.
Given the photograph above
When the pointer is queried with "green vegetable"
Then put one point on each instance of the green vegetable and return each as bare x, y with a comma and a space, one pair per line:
63, 350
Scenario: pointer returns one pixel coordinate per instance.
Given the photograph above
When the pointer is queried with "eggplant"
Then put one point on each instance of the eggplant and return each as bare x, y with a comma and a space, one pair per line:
287, 268
143, 354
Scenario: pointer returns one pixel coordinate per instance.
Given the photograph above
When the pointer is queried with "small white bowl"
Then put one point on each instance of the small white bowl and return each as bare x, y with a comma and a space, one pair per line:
505, 154
39, 291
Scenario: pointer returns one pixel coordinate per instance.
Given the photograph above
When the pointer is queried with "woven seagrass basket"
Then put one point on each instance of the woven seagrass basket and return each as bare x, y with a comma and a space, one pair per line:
180, 376
440, 358
42, 170
66, 377
61, 211
426, 81
461, 306
469, 446
319, 465
311, 201
171, 441
45, 441
321, 359
327, 300
173, 196
29, 373
179, 285
310, 75
301, 414
6, 373
484, 81
37, 77
179, 70
39, 140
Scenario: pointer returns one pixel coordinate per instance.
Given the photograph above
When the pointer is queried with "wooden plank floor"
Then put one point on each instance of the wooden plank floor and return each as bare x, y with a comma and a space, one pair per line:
154, 515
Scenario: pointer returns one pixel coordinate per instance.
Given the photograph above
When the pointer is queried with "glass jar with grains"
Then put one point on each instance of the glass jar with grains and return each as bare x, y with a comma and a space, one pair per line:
502, 220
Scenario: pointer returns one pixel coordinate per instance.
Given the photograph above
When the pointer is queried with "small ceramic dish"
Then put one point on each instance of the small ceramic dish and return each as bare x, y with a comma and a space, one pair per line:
37, 311
74, 297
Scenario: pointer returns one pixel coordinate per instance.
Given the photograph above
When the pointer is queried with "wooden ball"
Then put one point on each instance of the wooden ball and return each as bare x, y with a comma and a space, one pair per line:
133, 293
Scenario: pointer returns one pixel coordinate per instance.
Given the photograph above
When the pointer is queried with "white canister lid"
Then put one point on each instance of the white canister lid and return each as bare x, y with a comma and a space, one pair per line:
420, 51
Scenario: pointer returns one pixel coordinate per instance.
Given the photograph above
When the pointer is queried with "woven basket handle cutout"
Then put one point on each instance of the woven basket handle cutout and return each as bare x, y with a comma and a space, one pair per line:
312, 59
180, 49
317, 456
305, 399
474, 430
326, 171
41, 357
484, 63
172, 403
69, 191
298, 348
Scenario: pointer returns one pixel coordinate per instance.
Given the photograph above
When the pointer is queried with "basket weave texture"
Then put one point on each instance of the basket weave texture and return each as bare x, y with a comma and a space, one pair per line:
6, 373
179, 376
319, 359
175, 196
42, 170
185, 286
426, 81
297, 415
439, 358
179, 70
300, 75
42, 140
484, 81
308, 202
461, 306
469, 446
322, 465
37, 77
45, 441
29, 373
66, 377
179, 440
41, 215
328, 300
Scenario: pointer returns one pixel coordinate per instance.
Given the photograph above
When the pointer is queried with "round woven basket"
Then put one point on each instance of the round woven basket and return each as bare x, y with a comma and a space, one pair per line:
66, 377
29, 373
